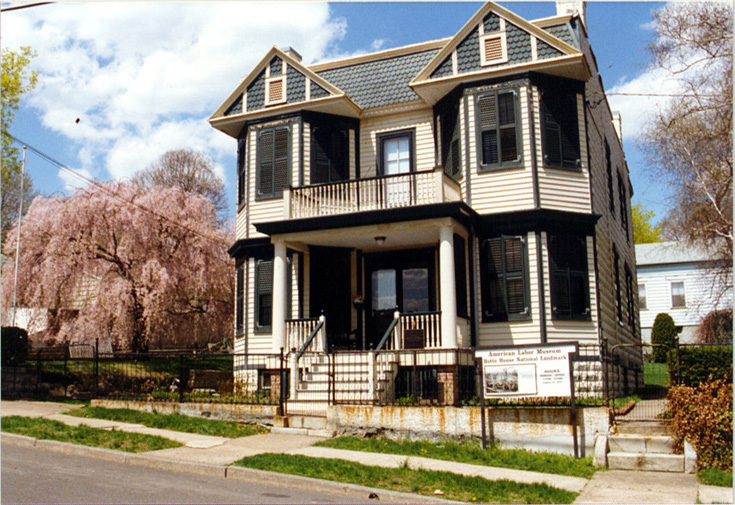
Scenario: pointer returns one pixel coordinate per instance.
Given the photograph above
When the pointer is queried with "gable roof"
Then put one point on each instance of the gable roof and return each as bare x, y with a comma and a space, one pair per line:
667, 253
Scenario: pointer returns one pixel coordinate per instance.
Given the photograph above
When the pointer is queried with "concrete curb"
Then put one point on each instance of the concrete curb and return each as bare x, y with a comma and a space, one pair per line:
230, 472
346, 489
715, 494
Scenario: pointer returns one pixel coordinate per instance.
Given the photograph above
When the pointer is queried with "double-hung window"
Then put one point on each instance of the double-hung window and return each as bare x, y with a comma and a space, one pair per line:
570, 290
678, 295
560, 129
498, 129
504, 275
274, 161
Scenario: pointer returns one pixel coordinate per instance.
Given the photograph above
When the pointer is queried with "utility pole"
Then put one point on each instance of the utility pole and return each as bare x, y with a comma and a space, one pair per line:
17, 244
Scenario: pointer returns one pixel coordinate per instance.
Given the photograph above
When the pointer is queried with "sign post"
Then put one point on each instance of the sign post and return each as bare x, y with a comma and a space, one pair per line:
529, 371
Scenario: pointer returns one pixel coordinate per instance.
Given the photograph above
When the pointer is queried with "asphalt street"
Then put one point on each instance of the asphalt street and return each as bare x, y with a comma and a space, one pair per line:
31, 475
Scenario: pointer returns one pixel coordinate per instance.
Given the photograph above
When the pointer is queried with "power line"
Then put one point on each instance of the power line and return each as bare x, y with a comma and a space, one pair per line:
96, 184
26, 6
673, 95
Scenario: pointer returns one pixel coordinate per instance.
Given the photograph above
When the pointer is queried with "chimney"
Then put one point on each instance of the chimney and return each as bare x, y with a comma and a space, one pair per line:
617, 122
292, 53
572, 7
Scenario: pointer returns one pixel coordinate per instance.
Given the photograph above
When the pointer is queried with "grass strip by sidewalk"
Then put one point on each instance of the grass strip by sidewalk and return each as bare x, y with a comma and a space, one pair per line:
470, 452
174, 422
714, 477
424, 482
48, 429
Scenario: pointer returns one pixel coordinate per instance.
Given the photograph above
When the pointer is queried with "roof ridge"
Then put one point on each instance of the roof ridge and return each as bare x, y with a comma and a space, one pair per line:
379, 55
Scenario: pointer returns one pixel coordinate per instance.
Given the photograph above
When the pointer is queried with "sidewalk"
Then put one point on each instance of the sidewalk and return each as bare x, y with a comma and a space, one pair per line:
207, 454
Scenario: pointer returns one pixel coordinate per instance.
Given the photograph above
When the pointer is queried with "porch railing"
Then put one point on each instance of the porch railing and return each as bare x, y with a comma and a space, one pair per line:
416, 330
375, 193
298, 332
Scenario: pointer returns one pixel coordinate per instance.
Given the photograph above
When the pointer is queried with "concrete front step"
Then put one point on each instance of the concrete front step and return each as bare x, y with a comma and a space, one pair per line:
655, 444
645, 428
648, 462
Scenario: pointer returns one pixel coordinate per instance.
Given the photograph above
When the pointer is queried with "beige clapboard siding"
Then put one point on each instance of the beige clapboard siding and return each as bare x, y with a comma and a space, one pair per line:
271, 209
567, 190
512, 332
241, 222
419, 120
561, 330
239, 346
501, 190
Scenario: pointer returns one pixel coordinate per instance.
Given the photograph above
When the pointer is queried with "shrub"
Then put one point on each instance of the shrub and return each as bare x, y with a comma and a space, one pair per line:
716, 328
705, 363
663, 332
703, 416
14, 345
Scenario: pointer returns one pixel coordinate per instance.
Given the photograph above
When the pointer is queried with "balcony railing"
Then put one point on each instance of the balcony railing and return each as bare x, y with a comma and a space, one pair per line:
375, 193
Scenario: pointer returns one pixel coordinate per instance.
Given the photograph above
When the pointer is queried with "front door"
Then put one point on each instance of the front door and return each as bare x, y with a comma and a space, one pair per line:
330, 292
402, 281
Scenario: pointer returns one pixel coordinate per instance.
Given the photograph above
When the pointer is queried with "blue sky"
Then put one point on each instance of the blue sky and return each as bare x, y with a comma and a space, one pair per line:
143, 78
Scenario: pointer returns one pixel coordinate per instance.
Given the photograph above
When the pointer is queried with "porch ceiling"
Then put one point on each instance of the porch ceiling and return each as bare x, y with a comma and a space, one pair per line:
397, 235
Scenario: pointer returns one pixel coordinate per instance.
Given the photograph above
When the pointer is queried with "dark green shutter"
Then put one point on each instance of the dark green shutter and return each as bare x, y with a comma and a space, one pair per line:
569, 277
239, 298
505, 280
559, 129
263, 294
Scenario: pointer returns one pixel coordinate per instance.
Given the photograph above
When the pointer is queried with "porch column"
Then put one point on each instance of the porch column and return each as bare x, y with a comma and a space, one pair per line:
280, 292
448, 291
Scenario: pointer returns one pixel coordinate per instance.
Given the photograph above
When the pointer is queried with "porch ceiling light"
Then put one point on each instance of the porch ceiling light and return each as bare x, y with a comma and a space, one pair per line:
380, 240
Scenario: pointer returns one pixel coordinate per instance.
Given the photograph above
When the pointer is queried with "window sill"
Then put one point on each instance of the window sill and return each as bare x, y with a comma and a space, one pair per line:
265, 198
509, 319
497, 168
263, 330
580, 317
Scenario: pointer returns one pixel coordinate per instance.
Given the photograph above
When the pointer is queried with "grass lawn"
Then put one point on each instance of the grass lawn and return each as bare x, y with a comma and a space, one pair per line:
48, 429
470, 452
714, 477
175, 422
454, 487
655, 374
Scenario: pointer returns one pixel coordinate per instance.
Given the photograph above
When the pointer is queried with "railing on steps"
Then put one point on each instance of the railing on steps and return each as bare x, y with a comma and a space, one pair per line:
315, 344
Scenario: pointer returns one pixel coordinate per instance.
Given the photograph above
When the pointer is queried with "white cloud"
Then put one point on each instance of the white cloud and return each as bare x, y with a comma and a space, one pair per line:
144, 78
637, 99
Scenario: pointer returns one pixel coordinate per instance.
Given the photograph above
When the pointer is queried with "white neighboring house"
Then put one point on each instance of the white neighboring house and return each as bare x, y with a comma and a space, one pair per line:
681, 281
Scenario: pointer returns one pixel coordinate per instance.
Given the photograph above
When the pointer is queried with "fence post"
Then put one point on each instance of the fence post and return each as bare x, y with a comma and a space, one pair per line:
281, 384
371, 375
294, 379
66, 374
181, 378
96, 367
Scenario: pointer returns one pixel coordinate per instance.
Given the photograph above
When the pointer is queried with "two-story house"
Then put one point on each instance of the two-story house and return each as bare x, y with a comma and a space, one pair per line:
464, 192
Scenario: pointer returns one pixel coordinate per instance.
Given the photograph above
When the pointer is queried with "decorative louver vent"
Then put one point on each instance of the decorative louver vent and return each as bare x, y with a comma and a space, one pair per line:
493, 49
275, 90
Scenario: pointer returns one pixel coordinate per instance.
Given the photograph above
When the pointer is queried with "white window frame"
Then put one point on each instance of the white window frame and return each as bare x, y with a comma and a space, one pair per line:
504, 47
671, 292
268, 82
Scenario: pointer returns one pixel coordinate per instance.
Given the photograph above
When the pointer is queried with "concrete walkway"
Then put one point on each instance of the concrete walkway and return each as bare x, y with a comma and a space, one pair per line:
212, 455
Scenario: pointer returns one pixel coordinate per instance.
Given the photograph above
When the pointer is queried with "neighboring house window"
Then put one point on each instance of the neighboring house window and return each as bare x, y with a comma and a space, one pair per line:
629, 296
610, 185
274, 161
642, 299
263, 295
678, 298
460, 273
618, 294
498, 129
560, 129
241, 189
504, 275
395, 153
329, 154
570, 292
239, 298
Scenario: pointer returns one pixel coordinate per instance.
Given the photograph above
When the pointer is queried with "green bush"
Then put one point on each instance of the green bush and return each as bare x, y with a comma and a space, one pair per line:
703, 416
14, 345
705, 363
664, 333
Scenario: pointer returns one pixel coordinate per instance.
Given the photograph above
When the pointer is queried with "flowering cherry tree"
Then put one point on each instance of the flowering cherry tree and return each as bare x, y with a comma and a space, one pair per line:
136, 266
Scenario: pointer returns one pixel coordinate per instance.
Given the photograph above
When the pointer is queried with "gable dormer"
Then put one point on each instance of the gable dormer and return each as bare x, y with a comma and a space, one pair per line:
496, 43
280, 84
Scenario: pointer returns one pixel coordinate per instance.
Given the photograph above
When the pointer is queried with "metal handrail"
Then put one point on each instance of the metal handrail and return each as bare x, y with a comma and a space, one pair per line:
390, 329
308, 342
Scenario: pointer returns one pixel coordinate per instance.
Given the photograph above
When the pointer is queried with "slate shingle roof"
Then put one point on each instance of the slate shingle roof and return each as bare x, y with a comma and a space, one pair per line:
381, 82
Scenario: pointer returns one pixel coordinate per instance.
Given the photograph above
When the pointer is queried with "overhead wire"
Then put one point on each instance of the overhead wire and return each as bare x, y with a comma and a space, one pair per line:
102, 187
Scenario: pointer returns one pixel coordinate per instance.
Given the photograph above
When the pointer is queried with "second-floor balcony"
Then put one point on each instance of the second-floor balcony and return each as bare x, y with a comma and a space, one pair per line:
375, 193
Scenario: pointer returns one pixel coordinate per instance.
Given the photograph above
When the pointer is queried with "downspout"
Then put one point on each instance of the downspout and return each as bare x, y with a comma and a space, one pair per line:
467, 164
537, 205
301, 150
